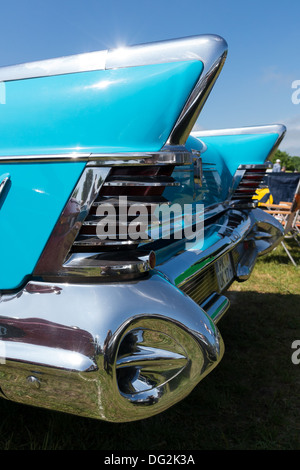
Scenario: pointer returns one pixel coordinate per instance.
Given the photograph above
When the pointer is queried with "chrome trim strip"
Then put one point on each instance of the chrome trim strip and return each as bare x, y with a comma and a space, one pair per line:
216, 306
263, 129
88, 240
108, 266
141, 183
145, 201
44, 158
168, 156
58, 66
214, 52
200, 47
183, 49
263, 166
180, 156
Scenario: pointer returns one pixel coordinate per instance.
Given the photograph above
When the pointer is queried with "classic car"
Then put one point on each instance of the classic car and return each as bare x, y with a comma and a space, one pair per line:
122, 227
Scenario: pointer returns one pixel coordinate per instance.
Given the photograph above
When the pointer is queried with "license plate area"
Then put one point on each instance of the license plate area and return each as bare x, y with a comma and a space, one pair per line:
224, 271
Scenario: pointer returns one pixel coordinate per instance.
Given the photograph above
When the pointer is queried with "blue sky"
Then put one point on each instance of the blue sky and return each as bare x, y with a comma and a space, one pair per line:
255, 86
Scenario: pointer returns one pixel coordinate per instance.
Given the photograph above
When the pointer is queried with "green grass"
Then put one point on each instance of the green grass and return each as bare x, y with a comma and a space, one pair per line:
250, 401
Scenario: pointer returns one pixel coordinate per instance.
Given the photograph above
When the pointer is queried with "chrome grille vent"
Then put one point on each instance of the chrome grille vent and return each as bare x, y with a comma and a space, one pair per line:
202, 285
251, 180
139, 187
79, 248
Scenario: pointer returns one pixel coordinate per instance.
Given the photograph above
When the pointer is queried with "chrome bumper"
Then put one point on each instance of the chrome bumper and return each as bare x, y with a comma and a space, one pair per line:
122, 351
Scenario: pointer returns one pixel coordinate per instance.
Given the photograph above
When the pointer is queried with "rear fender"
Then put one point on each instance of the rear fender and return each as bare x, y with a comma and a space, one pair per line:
232, 150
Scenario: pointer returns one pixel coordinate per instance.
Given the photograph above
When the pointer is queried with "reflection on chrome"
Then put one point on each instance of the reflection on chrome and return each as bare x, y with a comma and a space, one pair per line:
121, 347
120, 328
125, 351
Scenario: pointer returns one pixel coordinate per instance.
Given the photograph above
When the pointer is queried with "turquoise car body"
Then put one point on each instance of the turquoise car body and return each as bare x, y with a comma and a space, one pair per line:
120, 330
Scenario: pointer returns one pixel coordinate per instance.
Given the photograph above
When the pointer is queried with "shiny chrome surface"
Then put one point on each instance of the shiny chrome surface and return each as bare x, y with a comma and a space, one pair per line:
211, 50
264, 237
168, 156
191, 48
272, 128
204, 48
76, 229
68, 226
201, 284
197, 99
178, 155
244, 226
4, 181
40, 158
47, 356
114, 352
130, 181
216, 306
128, 350
137, 343
43, 68
109, 267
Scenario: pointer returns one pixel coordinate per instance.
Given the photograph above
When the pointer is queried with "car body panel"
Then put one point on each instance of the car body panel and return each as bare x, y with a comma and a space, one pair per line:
35, 198
110, 325
125, 109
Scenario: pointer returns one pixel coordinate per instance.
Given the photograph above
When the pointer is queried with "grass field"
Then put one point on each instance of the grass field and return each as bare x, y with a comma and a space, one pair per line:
250, 401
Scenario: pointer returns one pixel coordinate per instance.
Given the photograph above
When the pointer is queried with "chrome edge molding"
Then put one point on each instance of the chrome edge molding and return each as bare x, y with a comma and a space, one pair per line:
179, 156
262, 129
43, 68
213, 57
65, 157
167, 156
189, 48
